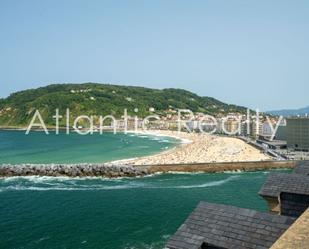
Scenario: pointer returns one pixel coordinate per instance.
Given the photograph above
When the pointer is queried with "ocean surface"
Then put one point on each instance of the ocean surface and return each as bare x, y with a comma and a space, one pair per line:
99, 213
37, 147
128, 213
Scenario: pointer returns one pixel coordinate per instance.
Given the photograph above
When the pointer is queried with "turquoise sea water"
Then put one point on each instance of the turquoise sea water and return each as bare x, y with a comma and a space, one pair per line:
43, 212
127, 213
37, 147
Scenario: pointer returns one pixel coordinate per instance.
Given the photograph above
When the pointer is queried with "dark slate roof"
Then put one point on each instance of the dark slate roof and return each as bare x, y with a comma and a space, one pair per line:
280, 182
229, 227
302, 168
292, 204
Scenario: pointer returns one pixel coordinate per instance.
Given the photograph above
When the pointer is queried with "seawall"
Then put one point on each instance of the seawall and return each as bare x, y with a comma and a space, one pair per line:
221, 167
105, 170
71, 170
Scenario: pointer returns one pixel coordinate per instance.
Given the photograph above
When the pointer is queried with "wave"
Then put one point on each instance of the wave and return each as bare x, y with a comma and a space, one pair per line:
43, 179
143, 136
185, 141
203, 185
153, 135
62, 187
46, 183
166, 236
36, 179
209, 184
164, 141
42, 239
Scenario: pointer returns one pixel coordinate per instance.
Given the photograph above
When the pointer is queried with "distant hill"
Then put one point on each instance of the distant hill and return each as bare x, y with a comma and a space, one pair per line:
102, 99
291, 112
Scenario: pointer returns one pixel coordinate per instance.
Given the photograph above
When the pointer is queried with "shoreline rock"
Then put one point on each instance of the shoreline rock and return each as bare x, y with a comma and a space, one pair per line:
71, 170
114, 171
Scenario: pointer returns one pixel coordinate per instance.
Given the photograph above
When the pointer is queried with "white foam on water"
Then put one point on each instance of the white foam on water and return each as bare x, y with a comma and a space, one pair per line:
185, 141
160, 135
184, 173
172, 179
237, 171
143, 136
41, 239
164, 141
58, 187
36, 179
31, 188
46, 183
208, 184
43, 179
166, 236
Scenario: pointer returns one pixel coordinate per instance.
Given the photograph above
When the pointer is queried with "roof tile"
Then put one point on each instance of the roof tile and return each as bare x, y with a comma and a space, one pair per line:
244, 230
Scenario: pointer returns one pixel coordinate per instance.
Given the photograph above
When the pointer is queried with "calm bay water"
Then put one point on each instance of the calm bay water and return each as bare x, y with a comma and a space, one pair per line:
127, 213
37, 147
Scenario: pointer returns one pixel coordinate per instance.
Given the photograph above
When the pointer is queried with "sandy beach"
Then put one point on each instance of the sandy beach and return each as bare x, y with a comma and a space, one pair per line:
200, 148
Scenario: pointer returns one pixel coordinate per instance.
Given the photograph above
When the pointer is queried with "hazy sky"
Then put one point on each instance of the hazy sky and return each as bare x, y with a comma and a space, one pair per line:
251, 53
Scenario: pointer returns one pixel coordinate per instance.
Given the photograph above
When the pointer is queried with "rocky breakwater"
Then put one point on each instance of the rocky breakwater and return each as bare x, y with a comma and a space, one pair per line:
71, 170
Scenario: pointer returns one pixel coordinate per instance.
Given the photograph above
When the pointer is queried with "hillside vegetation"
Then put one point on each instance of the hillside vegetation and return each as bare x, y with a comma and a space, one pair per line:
102, 99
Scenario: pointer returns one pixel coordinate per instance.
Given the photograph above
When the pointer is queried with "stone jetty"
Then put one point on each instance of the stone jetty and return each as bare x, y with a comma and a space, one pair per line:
71, 170
118, 170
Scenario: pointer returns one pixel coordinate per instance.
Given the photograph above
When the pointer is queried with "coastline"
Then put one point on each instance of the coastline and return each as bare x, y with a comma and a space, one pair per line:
214, 154
198, 148
192, 148
157, 133
116, 171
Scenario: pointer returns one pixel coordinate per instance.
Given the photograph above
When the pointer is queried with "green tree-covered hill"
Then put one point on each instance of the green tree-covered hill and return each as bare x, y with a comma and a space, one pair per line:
102, 99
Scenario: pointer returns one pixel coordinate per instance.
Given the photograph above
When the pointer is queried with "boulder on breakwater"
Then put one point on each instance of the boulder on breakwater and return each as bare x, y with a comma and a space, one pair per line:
71, 170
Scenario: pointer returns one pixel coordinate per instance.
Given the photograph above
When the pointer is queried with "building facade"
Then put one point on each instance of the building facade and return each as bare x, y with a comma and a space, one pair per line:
298, 133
